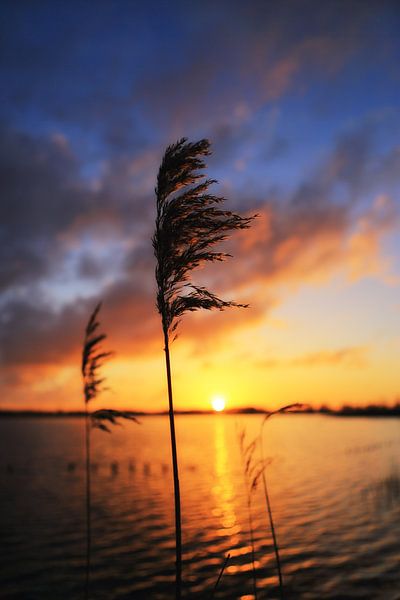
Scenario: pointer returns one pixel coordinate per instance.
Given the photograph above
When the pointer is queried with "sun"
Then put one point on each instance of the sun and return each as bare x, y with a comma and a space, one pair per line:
218, 403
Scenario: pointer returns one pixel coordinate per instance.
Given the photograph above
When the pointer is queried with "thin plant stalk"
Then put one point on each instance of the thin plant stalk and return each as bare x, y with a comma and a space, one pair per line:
224, 565
177, 493
271, 520
189, 223
251, 473
253, 554
93, 358
284, 409
88, 501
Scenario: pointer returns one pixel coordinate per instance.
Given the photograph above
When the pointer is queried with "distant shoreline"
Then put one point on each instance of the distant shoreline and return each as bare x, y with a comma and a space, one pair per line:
346, 411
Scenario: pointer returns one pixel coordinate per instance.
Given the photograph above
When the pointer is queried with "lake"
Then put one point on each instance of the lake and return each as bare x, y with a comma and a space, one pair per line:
334, 486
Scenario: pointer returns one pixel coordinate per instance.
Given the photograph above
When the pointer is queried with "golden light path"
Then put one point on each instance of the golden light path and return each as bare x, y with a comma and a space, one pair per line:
218, 403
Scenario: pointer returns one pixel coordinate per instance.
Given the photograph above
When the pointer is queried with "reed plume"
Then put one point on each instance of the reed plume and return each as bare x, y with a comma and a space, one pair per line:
104, 415
93, 358
189, 222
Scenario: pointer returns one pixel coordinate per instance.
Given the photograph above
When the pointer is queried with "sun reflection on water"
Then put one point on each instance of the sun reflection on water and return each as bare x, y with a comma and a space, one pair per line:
224, 490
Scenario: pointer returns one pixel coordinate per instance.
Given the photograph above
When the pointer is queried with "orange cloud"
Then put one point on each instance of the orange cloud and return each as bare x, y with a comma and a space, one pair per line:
364, 245
351, 357
290, 245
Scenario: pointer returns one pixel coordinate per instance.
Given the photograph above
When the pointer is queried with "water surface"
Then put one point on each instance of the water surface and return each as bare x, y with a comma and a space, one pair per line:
334, 486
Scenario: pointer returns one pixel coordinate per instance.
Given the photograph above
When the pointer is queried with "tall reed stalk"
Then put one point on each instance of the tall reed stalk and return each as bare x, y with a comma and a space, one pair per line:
92, 359
284, 409
252, 470
188, 225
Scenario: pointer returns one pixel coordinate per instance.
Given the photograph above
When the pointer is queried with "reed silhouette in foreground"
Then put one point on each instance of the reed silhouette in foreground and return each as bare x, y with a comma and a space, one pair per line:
252, 470
221, 572
189, 222
269, 414
93, 358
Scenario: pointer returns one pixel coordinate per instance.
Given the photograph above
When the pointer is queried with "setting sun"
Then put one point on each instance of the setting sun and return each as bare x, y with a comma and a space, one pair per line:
218, 403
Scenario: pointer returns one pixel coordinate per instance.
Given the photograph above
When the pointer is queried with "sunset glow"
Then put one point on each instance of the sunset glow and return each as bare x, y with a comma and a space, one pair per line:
200, 299
218, 403
304, 131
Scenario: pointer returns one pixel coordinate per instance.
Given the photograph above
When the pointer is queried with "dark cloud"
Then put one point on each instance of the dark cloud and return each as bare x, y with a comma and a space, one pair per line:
90, 267
40, 197
235, 141
253, 54
124, 75
48, 206
33, 333
36, 333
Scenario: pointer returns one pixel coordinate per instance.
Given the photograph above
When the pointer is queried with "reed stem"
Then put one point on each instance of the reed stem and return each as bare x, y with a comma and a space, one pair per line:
252, 545
271, 520
224, 564
177, 496
250, 483
88, 502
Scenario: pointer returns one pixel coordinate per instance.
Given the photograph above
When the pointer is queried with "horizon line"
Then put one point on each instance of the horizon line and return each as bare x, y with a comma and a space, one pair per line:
345, 410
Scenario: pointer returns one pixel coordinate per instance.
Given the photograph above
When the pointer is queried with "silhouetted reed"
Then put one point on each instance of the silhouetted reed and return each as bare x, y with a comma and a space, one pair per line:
103, 418
188, 224
221, 572
284, 409
252, 470
93, 358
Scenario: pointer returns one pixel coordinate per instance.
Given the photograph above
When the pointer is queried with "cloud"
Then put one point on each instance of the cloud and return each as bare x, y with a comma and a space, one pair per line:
124, 78
364, 255
98, 242
350, 357
34, 332
48, 208
244, 58
313, 232
39, 198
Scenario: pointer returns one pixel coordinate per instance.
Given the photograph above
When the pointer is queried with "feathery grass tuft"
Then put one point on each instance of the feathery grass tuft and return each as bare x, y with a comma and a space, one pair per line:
189, 223
93, 358
111, 417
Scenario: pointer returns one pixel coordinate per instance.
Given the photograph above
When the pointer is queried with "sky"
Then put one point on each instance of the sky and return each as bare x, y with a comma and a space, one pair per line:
300, 101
